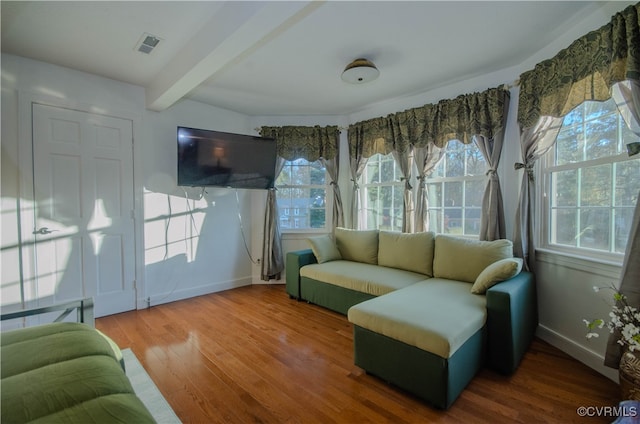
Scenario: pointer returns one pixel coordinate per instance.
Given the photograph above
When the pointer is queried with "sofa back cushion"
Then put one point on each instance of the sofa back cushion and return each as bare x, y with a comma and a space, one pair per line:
358, 245
411, 252
457, 258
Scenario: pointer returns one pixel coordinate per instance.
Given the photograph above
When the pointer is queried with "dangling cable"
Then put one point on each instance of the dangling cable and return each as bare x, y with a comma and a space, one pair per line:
242, 230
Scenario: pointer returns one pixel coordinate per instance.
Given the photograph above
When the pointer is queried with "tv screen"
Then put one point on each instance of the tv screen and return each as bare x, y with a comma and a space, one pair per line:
214, 158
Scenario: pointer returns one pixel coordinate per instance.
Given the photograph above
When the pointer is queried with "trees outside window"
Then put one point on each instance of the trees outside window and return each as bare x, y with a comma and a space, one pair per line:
591, 185
455, 190
382, 193
302, 196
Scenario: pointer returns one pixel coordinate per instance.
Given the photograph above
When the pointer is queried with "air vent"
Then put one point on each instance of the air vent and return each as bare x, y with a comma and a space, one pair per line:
147, 43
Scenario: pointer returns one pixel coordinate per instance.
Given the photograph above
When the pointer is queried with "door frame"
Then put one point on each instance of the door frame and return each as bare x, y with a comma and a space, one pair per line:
25, 214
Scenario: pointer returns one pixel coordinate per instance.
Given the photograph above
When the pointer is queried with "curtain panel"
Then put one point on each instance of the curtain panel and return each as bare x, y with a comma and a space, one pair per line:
293, 142
463, 118
589, 69
427, 159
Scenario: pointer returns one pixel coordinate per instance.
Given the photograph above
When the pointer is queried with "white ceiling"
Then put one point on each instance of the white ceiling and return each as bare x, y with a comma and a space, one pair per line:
285, 58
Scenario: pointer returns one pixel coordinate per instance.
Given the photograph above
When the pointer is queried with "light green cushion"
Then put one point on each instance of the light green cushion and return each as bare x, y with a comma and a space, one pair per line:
495, 273
434, 315
461, 259
324, 248
358, 245
372, 279
411, 252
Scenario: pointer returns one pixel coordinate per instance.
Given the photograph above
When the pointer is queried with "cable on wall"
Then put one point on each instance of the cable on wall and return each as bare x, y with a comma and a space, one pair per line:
242, 230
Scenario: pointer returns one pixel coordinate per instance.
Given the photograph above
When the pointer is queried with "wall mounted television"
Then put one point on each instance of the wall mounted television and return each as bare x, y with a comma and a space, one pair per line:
213, 158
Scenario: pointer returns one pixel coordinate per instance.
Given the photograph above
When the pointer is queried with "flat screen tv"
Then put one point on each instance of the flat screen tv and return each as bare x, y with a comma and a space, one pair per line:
214, 158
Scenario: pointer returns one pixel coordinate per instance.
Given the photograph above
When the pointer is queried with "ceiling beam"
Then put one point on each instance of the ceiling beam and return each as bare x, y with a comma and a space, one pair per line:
236, 30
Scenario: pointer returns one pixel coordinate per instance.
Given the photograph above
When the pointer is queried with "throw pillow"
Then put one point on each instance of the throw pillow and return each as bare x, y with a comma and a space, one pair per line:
495, 273
411, 252
462, 259
324, 249
358, 245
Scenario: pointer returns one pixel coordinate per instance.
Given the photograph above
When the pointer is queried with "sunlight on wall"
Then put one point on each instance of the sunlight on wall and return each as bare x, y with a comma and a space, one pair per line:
99, 221
172, 226
10, 275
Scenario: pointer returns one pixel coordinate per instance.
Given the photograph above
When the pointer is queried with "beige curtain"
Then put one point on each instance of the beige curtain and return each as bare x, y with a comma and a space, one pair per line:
427, 159
587, 70
629, 284
272, 256
534, 142
331, 165
627, 96
310, 143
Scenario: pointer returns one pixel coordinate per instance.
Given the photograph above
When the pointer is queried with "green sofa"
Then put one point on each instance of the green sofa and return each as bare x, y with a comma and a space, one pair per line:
428, 311
65, 372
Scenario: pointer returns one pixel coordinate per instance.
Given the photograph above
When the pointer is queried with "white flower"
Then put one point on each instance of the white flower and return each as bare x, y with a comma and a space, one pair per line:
591, 335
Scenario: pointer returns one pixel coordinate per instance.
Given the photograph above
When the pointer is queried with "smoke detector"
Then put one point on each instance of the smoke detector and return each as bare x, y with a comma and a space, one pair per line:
147, 43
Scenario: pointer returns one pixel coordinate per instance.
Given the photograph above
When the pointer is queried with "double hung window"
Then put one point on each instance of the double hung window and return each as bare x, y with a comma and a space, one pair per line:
591, 185
382, 193
455, 190
302, 196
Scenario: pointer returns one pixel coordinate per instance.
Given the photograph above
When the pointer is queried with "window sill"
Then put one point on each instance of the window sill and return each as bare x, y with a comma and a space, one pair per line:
600, 267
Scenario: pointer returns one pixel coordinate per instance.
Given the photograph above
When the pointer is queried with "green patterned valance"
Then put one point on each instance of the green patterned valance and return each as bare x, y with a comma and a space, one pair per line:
310, 143
585, 70
452, 119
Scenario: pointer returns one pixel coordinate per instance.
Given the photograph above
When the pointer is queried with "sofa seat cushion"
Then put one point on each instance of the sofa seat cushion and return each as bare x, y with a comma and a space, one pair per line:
372, 279
434, 315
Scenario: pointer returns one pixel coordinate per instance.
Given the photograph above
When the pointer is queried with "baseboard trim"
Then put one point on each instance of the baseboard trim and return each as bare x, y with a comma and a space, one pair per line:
588, 357
181, 294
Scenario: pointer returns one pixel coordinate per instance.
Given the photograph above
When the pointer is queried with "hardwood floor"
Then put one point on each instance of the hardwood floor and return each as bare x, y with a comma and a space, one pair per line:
254, 355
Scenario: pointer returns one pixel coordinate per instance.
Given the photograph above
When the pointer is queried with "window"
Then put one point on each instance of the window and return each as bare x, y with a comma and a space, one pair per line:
382, 193
591, 185
455, 190
302, 186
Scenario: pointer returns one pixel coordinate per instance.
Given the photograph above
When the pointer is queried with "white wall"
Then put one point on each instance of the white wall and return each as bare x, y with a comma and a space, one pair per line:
170, 266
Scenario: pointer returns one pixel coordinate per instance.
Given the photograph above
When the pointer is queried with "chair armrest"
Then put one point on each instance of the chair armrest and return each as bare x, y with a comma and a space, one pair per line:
296, 260
512, 318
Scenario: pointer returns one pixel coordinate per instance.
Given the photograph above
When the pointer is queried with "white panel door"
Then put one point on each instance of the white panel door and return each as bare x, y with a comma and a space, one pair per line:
84, 200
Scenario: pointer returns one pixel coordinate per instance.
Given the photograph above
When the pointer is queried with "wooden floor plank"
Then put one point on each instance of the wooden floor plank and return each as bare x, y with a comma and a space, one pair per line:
254, 355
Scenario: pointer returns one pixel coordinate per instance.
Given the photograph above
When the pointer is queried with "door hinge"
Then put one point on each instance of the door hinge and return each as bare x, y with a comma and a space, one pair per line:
135, 285
133, 214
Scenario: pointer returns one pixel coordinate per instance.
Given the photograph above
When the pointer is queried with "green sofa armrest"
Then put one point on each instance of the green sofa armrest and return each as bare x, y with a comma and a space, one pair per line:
296, 260
512, 319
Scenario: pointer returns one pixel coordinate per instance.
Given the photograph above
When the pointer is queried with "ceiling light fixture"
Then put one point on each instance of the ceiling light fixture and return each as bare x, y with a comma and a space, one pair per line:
360, 71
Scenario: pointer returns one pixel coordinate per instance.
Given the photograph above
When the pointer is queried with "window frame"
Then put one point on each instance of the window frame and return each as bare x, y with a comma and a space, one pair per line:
397, 184
464, 179
548, 167
295, 216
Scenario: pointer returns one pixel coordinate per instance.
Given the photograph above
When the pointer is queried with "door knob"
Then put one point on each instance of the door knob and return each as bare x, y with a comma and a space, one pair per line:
43, 230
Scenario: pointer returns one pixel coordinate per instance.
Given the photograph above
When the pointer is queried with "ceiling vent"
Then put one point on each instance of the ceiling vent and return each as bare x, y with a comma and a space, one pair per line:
147, 43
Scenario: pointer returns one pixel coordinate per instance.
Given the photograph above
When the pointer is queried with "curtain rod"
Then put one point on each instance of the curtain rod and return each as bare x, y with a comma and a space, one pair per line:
257, 129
